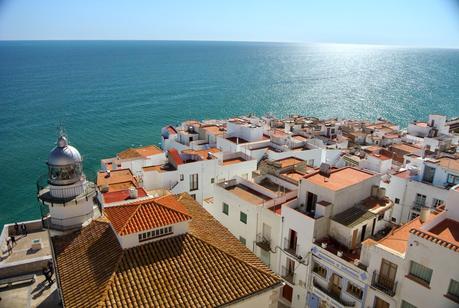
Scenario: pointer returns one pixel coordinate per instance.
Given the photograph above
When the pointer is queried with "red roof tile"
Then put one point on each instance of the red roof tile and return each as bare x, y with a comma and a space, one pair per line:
146, 215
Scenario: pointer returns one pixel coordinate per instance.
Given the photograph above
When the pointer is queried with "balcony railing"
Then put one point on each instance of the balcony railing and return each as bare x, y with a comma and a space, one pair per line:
288, 275
381, 282
263, 242
333, 295
289, 247
418, 205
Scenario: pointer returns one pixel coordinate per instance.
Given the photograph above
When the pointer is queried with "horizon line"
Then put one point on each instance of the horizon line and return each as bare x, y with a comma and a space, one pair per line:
234, 41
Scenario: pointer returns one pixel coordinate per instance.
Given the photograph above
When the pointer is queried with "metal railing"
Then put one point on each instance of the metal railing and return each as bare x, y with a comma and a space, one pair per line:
289, 247
383, 283
288, 275
74, 193
333, 295
418, 205
263, 242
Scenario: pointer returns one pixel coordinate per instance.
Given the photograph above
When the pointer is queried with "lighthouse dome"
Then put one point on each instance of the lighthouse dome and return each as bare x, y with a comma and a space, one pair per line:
64, 163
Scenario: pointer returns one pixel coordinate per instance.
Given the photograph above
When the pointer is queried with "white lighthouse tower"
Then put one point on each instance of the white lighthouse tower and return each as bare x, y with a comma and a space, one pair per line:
70, 198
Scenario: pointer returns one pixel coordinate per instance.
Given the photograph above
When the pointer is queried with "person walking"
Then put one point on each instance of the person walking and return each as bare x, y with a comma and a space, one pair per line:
24, 229
16, 228
13, 240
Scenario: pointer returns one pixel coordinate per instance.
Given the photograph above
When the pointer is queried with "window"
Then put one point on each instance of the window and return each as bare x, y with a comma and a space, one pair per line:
453, 290
265, 257
212, 180
155, 233
193, 196
242, 240
354, 290
453, 179
414, 215
420, 200
380, 216
193, 181
420, 272
181, 177
320, 270
436, 202
225, 208
393, 219
397, 201
407, 305
243, 217
379, 303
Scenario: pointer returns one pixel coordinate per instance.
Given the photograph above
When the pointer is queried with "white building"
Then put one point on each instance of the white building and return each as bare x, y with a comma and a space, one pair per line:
424, 182
196, 171
415, 265
251, 212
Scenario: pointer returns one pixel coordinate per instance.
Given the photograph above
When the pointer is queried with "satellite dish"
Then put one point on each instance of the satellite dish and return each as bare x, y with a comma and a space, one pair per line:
325, 170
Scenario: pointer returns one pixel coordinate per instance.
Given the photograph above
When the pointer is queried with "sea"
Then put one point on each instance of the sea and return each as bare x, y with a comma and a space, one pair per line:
111, 95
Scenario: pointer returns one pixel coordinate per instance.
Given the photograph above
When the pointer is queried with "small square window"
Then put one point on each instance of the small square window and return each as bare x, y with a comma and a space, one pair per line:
242, 240
407, 305
212, 180
397, 200
243, 217
225, 209
380, 216
393, 219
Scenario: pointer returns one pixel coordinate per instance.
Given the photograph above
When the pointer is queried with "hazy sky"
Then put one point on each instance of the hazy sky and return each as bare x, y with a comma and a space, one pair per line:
399, 22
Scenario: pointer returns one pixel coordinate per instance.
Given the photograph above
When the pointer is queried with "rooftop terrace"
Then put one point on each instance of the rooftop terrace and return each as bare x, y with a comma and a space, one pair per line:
248, 194
339, 178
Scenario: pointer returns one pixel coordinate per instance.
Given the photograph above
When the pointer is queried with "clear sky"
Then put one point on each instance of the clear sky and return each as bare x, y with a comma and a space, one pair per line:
397, 22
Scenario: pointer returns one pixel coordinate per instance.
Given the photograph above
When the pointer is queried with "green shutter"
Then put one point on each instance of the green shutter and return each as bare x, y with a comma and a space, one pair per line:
453, 288
420, 271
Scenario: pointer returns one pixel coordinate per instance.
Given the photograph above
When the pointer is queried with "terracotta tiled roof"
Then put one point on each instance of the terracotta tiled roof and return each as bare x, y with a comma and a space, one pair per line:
398, 238
139, 152
206, 267
146, 215
86, 261
445, 233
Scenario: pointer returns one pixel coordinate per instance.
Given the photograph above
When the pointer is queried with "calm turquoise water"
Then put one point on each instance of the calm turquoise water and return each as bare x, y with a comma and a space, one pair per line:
112, 95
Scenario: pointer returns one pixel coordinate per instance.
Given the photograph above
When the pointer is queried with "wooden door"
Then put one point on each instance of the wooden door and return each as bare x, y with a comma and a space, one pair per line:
335, 285
287, 292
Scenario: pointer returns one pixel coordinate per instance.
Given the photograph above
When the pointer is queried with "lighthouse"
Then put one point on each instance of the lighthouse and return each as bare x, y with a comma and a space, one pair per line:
69, 200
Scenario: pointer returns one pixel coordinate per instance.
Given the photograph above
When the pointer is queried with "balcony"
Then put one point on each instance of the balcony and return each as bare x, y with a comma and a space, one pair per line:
384, 284
288, 275
290, 248
263, 242
417, 206
333, 295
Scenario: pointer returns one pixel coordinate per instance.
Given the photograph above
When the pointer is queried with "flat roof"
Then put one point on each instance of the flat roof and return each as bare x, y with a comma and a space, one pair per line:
248, 194
203, 154
237, 140
449, 163
141, 152
119, 177
234, 160
288, 161
339, 178
274, 187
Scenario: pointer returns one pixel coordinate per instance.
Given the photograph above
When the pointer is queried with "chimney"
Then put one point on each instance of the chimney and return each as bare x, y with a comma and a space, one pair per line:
425, 213
133, 194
